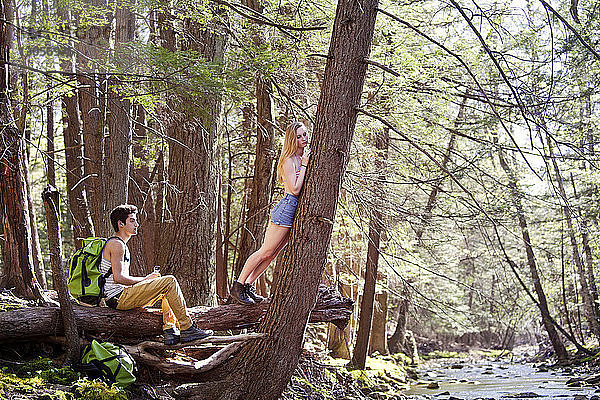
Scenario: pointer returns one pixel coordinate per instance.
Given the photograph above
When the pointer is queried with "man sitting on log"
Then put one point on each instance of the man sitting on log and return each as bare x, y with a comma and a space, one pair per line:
125, 292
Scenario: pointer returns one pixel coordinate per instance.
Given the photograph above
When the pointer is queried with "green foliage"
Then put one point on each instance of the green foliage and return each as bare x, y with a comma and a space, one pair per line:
45, 369
98, 390
11, 382
493, 353
443, 354
38, 375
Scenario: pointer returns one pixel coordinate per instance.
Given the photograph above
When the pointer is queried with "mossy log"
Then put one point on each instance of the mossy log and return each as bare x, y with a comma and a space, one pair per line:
139, 324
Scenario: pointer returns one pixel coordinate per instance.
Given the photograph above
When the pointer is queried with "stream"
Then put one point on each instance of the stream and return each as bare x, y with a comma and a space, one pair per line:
456, 380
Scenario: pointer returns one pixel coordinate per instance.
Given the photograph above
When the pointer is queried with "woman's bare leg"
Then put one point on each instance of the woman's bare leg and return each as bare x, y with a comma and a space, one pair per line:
274, 236
258, 271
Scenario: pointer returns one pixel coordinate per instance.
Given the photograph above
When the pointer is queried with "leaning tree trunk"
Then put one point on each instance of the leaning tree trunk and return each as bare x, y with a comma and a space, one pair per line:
274, 359
14, 211
59, 277
359, 357
188, 248
431, 200
517, 196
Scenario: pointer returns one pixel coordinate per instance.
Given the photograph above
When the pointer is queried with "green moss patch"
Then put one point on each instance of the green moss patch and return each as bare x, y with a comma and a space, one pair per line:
39, 379
443, 354
492, 353
98, 390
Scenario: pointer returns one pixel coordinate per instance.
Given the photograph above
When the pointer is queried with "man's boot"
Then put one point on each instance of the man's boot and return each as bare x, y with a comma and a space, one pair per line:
252, 293
194, 333
238, 294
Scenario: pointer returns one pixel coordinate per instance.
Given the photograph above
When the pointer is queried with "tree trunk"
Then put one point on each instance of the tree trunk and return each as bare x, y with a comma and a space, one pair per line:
78, 205
261, 189
221, 261
274, 359
189, 241
378, 339
426, 216
396, 341
118, 118
91, 104
517, 196
38, 260
589, 308
142, 323
140, 194
14, 210
589, 266
256, 217
361, 348
50, 196
50, 136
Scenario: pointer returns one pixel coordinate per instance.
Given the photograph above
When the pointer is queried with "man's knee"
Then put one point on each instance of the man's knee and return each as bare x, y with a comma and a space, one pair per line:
166, 282
169, 279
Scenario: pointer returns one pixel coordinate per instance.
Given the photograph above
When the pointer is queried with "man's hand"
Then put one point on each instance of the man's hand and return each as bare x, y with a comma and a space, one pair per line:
152, 275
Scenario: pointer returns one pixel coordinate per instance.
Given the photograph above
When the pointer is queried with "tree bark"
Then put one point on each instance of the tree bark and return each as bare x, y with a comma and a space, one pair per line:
274, 359
589, 264
141, 323
256, 217
38, 260
79, 211
396, 341
261, 189
378, 339
221, 261
189, 241
118, 119
517, 196
140, 194
50, 136
91, 104
59, 278
14, 210
363, 333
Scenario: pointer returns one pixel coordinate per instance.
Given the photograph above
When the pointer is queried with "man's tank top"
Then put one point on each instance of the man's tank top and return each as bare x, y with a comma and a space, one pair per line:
111, 289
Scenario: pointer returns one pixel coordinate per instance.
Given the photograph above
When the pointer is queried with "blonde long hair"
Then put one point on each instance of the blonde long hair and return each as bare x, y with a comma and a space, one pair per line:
290, 146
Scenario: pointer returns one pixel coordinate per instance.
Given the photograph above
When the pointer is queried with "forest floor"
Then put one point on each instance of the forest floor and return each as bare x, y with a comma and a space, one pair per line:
317, 377
30, 370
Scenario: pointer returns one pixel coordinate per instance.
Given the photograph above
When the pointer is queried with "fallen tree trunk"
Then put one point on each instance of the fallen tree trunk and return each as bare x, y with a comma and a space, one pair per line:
142, 323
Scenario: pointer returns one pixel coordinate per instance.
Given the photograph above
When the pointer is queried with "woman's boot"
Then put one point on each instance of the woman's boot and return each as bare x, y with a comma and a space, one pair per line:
252, 293
238, 294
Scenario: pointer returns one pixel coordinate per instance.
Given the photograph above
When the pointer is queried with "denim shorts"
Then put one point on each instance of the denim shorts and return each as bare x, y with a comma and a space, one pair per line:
284, 211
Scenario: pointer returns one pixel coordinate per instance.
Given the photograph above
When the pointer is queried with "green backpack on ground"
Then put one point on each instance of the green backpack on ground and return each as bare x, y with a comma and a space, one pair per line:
86, 283
108, 361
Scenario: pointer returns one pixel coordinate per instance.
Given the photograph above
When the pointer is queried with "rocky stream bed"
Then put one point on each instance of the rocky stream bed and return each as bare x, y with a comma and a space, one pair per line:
484, 379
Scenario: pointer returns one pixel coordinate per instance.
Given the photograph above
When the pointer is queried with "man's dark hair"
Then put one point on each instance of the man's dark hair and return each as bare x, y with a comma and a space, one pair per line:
120, 213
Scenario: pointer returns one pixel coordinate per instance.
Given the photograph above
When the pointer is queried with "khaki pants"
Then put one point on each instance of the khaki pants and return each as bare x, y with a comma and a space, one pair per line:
148, 292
